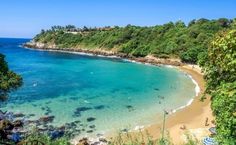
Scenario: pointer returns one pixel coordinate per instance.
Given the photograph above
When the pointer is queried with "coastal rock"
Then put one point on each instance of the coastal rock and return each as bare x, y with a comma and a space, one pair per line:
19, 115
6, 125
102, 51
18, 123
103, 140
47, 119
83, 141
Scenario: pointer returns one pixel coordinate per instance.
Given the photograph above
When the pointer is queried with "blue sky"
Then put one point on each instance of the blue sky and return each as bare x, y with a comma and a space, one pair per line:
25, 18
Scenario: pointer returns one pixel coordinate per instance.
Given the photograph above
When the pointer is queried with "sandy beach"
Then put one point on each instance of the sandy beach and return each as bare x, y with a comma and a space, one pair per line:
191, 119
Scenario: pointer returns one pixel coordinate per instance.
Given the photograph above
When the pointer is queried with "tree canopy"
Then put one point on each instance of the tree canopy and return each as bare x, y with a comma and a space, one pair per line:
220, 74
9, 80
188, 42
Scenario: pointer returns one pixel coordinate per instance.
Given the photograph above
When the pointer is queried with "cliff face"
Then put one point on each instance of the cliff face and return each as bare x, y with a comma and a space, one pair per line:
99, 51
39, 45
95, 51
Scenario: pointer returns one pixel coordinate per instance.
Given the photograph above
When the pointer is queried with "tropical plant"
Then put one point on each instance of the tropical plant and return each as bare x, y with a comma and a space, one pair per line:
9, 80
169, 40
220, 74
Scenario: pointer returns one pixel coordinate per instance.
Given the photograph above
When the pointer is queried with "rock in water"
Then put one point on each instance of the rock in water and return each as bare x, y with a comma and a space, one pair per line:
47, 119
91, 119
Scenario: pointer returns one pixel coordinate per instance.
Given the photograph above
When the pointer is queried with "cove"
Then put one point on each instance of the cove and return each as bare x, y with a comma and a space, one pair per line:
99, 94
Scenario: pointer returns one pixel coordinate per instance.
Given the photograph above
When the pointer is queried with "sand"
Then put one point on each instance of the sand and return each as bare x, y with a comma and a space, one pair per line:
193, 117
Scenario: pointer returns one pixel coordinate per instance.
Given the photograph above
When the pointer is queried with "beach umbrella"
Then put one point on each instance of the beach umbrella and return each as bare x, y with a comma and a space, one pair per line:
212, 130
209, 141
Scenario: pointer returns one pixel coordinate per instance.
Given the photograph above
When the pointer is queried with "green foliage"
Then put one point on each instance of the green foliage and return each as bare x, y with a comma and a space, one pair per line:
168, 40
46, 139
221, 67
191, 55
9, 80
224, 108
146, 139
139, 139
220, 74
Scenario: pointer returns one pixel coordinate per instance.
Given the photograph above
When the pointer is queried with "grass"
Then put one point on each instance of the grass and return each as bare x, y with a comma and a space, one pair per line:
146, 139
127, 138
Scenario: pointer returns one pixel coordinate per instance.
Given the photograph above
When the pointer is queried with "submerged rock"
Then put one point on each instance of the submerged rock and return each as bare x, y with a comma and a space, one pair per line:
156, 89
92, 126
47, 113
91, 119
34, 105
19, 115
43, 108
74, 98
99, 135
47, 119
103, 140
89, 131
99, 107
48, 102
31, 115
77, 121
130, 108
125, 130
78, 111
81, 109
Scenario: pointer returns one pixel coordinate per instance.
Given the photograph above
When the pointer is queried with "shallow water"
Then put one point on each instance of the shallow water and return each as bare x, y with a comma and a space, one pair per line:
111, 94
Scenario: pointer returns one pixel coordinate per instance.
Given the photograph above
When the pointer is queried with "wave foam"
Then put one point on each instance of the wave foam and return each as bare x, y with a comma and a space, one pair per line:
197, 92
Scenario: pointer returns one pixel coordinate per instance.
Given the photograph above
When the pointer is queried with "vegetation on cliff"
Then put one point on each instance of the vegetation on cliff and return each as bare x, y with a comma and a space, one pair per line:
220, 74
177, 40
9, 80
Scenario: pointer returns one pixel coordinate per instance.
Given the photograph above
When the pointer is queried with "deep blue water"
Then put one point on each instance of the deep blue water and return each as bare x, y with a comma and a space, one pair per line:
118, 93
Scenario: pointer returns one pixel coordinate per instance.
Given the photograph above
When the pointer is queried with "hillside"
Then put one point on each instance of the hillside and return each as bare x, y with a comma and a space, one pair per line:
170, 40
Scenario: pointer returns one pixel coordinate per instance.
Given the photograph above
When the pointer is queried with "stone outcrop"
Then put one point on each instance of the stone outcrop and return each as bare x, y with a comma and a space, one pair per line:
99, 51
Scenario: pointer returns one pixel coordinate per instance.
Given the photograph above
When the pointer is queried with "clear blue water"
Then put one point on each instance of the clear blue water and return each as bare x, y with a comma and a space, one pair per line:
117, 93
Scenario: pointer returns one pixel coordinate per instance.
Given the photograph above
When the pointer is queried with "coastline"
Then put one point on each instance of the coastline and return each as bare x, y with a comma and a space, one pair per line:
192, 115
104, 53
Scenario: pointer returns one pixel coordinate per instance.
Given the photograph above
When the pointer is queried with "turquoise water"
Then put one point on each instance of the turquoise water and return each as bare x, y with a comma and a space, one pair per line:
111, 94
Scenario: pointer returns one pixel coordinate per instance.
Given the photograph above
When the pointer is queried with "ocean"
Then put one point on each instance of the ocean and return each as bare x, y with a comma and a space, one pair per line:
98, 94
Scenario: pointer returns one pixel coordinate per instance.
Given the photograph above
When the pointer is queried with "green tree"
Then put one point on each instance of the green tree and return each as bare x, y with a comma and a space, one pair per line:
9, 80
220, 74
168, 40
224, 108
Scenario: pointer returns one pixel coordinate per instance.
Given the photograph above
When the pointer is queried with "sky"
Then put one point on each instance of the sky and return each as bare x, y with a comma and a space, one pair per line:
26, 18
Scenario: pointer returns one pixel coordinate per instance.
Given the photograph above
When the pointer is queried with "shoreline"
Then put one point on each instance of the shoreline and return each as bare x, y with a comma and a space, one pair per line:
104, 53
177, 117
191, 119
